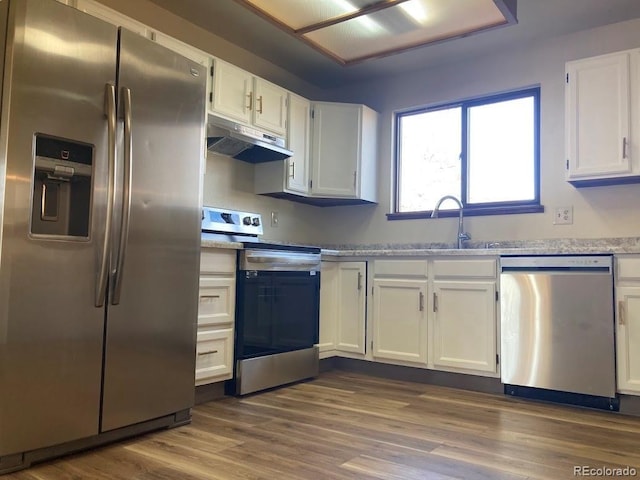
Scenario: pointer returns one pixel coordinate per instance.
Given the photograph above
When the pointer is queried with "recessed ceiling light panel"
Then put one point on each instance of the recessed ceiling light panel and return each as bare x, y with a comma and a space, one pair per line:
351, 31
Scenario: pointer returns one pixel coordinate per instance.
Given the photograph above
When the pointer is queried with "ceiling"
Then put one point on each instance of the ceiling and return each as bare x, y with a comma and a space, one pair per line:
537, 19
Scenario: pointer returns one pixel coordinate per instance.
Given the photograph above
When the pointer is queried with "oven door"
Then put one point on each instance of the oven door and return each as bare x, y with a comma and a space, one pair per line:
276, 312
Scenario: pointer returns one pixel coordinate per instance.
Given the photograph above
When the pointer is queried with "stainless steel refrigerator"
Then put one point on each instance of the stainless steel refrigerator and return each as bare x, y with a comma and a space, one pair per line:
101, 154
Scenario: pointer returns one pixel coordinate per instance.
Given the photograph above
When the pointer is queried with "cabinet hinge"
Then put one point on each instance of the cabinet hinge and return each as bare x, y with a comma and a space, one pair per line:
567, 164
210, 97
497, 296
313, 114
567, 78
372, 345
211, 71
310, 183
497, 359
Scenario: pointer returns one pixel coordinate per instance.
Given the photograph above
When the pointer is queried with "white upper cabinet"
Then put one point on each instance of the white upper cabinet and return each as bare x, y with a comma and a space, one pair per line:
290, 176
603, 119
232, 94
299, 135
270, 109
240, 96
107, 14
343, 151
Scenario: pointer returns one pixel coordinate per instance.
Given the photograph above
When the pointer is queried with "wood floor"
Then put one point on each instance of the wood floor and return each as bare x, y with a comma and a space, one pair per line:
350, 426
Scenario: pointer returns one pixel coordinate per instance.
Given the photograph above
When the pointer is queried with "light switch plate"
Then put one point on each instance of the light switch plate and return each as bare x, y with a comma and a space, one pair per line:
274, 219
563, 216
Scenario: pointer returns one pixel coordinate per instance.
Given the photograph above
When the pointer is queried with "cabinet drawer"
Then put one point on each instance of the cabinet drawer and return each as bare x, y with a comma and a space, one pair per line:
628, 268
214, 355
481, 268
216, 304
402, 268
217, 261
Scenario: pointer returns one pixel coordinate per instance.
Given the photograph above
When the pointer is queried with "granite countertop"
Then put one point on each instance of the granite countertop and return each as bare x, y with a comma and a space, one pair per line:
517, 247
520, 247
207, 243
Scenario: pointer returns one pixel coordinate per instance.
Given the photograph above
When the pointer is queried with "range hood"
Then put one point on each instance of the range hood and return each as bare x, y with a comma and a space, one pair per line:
232, 139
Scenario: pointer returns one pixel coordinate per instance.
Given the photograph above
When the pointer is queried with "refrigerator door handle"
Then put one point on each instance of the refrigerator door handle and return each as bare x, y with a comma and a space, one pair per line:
126, 203
110, 112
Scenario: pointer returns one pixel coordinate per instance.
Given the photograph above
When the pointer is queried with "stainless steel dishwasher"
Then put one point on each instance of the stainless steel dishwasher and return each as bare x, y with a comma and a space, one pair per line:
557, 328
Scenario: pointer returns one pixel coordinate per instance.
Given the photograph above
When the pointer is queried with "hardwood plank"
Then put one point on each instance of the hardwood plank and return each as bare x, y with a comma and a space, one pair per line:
349, 426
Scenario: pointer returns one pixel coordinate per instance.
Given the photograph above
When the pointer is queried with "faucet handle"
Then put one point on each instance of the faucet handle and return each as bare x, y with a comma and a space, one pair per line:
464, 236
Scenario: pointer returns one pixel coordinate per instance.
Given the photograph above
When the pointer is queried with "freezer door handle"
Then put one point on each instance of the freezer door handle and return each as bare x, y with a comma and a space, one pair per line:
110, 112
126, 202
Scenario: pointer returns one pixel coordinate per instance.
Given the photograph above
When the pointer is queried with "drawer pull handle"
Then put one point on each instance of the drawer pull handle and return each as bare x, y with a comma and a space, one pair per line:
209, 296
421, 302
435, 302
621, 319
208, 352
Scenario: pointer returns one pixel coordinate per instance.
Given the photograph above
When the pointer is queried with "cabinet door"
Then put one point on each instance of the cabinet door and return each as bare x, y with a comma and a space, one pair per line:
98, 10
336, 149
598, 117
464, 325
628, 339
214, 356
350, 329
270, 109
328, 306
298, 134
232, 91
216, 301
399, 322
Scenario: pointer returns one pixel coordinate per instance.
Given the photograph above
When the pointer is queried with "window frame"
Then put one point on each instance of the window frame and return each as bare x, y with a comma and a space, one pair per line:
488, 208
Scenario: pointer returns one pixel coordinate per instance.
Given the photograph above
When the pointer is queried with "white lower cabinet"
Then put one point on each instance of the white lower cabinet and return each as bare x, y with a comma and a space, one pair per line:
429, 312
350, 324
328, 308
216, 316
399, 320
628, 324
464, 325
342, 308
464, 315
214, 355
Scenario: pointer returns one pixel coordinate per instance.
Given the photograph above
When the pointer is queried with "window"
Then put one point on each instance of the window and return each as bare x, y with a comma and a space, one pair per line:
484, 151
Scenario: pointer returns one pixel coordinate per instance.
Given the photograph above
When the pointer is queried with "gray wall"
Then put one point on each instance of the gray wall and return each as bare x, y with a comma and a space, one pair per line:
612, 211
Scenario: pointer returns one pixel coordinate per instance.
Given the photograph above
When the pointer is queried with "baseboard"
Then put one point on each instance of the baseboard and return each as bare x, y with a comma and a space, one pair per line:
418, 375
207, 393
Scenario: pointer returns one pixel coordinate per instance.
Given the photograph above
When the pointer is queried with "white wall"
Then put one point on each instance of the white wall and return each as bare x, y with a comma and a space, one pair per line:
612, 211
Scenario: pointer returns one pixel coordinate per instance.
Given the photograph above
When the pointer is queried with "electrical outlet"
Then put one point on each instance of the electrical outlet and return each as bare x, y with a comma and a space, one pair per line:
274, 219
563, 216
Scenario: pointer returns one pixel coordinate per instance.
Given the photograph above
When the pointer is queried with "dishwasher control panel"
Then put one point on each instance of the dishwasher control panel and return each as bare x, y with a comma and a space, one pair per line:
557, 261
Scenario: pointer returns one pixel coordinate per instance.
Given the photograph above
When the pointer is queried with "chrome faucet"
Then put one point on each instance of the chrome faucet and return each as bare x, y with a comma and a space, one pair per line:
462, 235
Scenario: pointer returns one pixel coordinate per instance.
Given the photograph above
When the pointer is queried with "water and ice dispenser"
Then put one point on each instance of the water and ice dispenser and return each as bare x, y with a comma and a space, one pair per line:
62, 181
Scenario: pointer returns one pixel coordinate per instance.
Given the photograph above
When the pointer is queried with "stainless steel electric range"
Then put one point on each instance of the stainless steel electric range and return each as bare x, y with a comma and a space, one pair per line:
277, 304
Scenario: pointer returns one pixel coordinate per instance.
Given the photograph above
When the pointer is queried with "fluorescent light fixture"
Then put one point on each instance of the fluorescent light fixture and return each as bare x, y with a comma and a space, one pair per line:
416, 10
351, 31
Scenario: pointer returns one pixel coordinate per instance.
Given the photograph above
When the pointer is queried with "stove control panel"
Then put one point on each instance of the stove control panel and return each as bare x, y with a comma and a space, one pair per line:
221, 220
